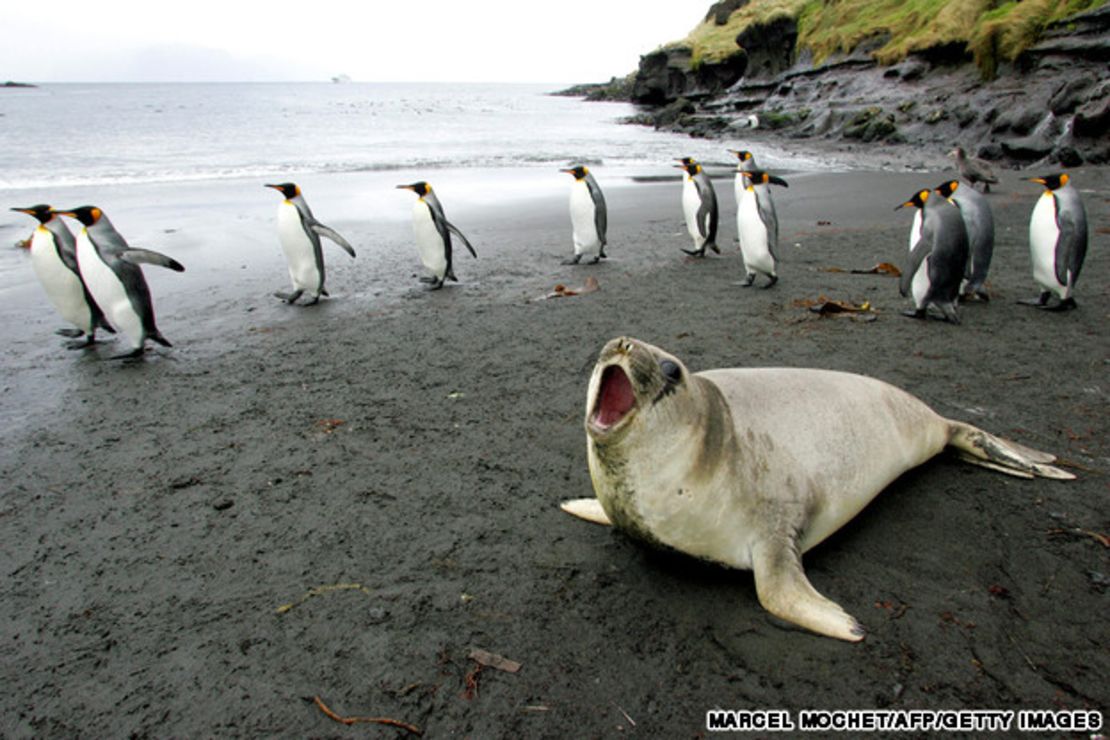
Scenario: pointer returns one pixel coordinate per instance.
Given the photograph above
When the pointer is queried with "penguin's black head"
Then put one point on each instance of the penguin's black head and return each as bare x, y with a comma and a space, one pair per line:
579, 172
759, 177
87, 215
41, 212
917, 201
1052, 182
689, 164
947, 188
288, 189
420, 188
742, 154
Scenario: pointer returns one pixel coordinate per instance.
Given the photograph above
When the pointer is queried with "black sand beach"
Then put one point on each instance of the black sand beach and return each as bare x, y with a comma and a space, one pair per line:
390, 463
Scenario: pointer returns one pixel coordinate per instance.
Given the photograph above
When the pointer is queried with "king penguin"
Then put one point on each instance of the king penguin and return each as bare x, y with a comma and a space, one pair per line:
699, 206
937, 259
1057, 241
299, 233
745, 162
433, 235
758, 226
979, 223
54, 259
588, 216
112, 272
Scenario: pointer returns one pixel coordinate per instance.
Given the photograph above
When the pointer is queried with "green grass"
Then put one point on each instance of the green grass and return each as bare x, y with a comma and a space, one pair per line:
993, 30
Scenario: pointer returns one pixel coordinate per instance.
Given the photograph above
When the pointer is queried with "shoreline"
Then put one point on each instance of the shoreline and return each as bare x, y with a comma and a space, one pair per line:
415, 446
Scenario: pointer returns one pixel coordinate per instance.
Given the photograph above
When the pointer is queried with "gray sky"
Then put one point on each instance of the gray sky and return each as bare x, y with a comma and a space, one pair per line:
401, 40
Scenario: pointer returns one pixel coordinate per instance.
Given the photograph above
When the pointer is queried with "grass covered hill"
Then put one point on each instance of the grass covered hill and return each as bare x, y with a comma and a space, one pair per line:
991, 31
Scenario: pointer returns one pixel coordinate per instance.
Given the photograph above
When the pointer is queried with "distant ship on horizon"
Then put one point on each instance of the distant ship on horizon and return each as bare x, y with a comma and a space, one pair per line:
340, 78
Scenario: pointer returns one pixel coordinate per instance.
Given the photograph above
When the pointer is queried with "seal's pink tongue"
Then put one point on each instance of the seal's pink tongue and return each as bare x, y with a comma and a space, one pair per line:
615, 399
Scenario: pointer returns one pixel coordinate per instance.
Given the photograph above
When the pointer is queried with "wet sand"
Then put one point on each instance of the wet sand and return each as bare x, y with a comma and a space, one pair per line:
391, 461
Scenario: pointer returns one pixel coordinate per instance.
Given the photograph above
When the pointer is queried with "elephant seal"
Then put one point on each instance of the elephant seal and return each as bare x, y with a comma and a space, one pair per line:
750, 468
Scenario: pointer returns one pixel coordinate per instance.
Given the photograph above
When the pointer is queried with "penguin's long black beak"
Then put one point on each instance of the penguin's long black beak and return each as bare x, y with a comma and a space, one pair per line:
409, 187
903, 205
1038, 180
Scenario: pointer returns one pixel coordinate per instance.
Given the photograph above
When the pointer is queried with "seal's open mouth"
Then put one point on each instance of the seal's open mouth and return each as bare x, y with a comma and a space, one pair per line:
615, 398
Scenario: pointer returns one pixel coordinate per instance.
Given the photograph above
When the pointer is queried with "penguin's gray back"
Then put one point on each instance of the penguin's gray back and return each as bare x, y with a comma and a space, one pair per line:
979, 223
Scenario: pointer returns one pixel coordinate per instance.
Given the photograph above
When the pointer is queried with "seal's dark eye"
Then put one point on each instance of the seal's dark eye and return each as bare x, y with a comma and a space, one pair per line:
671, 371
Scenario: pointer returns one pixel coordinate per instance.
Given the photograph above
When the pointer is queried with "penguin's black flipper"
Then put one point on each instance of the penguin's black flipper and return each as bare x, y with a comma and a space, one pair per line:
454, 230
332, 234
920, 251
1071, 246
149, 257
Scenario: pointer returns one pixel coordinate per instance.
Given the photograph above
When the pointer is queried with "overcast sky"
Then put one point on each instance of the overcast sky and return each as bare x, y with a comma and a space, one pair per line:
401, 40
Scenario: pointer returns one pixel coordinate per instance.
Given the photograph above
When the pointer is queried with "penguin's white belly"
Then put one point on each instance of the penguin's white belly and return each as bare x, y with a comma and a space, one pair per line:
63, 288
298, 250
583, 219
429, 244
915, 228
691, 204
920, 285
108, 292
753, 235
1043, 235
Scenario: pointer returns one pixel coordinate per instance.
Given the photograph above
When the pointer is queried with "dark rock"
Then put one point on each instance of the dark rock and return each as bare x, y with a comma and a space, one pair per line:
1092, 119
1067, 156
720, 11
1070, 95
1019, 119
715, 78
769, 47
1027, 148
909, 70
991, 152
662, 76
671, 113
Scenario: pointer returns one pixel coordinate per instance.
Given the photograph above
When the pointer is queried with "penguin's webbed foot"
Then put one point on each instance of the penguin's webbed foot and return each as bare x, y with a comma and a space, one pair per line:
916, 313
90, 340
573, 260
133, 355
289, 297
771, 282
426, 279
70, 333
1067, 304
695, 252
1039, 302
749, 280
595, 260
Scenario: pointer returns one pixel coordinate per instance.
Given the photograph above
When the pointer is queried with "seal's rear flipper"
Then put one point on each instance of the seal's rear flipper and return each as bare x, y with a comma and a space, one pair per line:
784, 590
588, 509
988, 451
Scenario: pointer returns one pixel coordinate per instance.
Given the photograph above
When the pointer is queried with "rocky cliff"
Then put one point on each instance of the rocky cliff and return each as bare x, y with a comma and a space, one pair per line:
1051, 103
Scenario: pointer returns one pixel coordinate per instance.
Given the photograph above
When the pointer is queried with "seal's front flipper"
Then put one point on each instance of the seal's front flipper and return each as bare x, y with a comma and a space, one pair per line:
588, 509
784, 590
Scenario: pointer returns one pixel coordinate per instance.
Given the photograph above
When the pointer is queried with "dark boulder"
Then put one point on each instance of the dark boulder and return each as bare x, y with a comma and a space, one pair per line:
769, 47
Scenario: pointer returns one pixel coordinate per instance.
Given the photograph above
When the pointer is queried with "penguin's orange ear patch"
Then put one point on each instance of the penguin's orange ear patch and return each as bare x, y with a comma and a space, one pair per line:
96, 214
1064, 179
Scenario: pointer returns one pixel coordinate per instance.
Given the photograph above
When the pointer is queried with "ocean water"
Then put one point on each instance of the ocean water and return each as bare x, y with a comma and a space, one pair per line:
98, 134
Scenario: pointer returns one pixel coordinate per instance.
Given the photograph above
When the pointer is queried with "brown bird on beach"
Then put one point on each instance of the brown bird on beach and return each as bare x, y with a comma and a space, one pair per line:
973, 169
